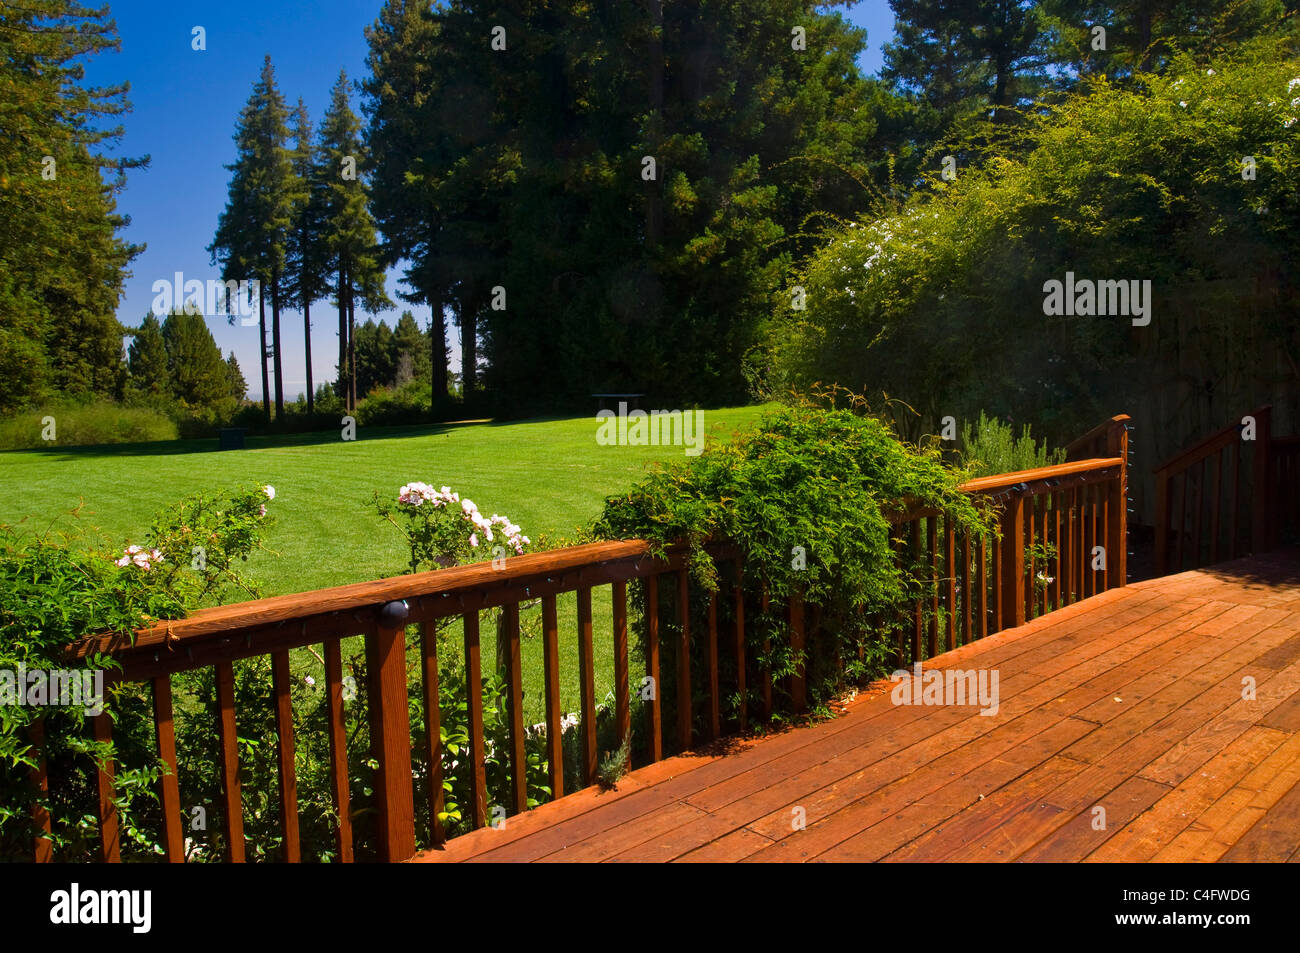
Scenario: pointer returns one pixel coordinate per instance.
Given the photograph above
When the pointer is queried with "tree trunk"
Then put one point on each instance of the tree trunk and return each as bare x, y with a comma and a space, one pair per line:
342, 386
352, 349
655, 83
438, 348
261, 349
306, 330
275, 344
469, 348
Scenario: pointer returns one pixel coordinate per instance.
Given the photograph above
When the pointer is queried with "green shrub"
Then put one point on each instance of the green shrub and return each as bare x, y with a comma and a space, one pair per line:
58, 588
808, 496
992, 447
85, 425
388, 406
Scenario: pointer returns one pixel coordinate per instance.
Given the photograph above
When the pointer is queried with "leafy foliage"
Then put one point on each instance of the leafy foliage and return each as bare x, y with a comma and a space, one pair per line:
990, 446
808, 496
58, 588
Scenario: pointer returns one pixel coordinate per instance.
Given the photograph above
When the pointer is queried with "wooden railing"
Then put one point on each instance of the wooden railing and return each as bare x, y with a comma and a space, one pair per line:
1230, 494
1073, 513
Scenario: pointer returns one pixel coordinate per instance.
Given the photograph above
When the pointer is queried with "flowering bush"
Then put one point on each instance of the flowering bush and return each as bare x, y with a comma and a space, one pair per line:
59, 587
443, 528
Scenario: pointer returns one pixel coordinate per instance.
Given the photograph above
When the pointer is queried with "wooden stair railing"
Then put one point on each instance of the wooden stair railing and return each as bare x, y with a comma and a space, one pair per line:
1078, 508
1256, 479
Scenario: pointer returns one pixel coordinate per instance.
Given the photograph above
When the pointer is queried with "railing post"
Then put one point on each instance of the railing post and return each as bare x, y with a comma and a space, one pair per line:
1261, 536
1013, 562
1117, 508
1162, 522
391, 734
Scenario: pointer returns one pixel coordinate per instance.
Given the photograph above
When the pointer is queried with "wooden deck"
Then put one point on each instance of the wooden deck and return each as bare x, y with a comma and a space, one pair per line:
1131, 701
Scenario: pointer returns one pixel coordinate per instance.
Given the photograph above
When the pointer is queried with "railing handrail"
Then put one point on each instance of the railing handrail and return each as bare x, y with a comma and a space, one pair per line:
1211, 444
459, 581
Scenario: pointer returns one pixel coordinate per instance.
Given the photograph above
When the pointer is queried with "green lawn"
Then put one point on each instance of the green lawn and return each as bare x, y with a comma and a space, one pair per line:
549, 476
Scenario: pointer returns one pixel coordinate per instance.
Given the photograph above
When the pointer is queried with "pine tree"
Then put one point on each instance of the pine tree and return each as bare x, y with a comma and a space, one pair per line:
989, 52
200, 379
253, 231
399, 88
306, 255
410, 348
147, 359
238, 386
61, 259
347, 230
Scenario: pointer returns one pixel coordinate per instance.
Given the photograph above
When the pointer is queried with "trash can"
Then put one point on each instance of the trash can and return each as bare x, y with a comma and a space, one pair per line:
232, 438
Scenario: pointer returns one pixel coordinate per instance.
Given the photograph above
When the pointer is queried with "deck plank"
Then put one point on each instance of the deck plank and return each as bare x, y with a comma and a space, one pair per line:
1133, 700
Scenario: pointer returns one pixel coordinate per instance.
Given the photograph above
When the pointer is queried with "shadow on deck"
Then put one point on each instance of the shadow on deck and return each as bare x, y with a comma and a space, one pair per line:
1126, 731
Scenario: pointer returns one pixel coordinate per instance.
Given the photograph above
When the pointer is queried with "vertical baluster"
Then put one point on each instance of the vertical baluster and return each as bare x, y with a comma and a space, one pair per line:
1070, 557
656, 734
984, 587
715, 714
683, 661
515, 683
1216, 497
227, 733
738, 597
799, 679
1056, 544
110, 848
997, 584
918, 635
1234, 500
622, 703
1262, 530
338, 747
432, 726
966, 594
950, 574
474, 714
1181, 509
1031, 563
587, 686
1196, 517
42, 847
285, 748
554, 714
766, 675
1081, 495
932, 544
168, 784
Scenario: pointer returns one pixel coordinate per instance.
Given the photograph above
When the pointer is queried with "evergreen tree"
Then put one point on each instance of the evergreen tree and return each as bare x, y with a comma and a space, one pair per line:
200, 378
347, 230
238, 386
306, 254
402, 66
410, 349
147, 359
253, 231
990, 53
61, 259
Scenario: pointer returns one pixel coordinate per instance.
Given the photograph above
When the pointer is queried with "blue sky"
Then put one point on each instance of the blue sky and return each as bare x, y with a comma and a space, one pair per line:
185, 103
